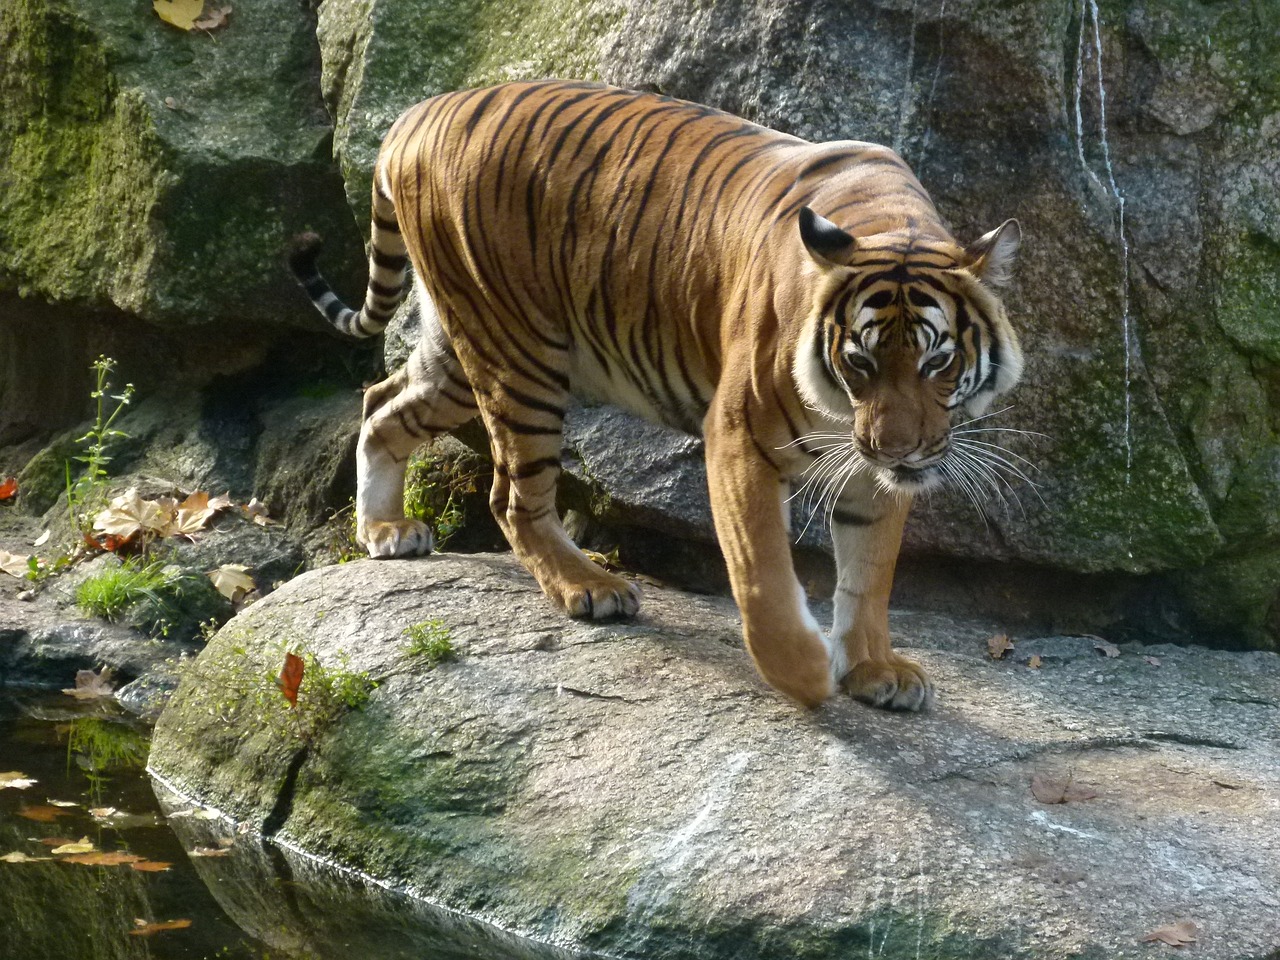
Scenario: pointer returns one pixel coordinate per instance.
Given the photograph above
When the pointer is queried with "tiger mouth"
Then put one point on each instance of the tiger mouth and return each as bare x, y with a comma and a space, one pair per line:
913, 479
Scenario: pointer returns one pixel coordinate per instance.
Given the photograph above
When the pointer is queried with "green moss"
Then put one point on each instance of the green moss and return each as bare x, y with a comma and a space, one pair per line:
75, 214
1248, 299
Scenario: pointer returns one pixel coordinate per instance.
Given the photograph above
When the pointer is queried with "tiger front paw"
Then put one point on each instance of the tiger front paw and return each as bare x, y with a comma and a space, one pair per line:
895, 684
394, 538
598, 598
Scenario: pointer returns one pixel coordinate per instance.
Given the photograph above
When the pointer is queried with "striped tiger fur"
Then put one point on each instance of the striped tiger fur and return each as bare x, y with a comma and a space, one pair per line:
687, 265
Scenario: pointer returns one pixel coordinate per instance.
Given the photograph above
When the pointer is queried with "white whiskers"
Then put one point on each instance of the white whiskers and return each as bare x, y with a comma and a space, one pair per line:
975, 463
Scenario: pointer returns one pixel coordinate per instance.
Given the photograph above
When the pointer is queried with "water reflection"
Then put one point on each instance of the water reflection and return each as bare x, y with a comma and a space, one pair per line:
245, 899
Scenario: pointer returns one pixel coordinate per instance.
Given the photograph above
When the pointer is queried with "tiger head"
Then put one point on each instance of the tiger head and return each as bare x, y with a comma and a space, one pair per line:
906, 330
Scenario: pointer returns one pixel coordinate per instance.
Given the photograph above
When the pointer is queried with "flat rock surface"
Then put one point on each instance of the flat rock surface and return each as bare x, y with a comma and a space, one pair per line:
634, 790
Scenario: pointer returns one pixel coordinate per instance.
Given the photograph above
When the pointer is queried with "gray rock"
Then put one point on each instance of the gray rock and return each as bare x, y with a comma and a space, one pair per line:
634, 790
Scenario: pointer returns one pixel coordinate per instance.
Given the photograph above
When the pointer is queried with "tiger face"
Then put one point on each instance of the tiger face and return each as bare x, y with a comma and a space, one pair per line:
906, 334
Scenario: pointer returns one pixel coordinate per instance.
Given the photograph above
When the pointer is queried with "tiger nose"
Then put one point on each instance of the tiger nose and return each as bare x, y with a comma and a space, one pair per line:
880, 449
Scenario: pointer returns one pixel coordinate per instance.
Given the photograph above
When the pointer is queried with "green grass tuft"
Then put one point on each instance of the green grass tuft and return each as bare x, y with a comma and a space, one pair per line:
429, 640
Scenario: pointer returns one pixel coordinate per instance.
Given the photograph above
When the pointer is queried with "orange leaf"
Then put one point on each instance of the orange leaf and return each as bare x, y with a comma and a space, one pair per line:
1035, 663
149, 866
291, 677
144, 929
102, 859
42, 814
9, 488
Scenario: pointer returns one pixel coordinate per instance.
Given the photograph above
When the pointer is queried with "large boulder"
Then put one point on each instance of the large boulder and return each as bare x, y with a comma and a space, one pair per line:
1137, 146
635, 791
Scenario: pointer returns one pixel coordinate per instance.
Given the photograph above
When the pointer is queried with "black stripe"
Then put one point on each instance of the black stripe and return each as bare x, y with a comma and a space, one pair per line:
387, 261
847, 518
526, 429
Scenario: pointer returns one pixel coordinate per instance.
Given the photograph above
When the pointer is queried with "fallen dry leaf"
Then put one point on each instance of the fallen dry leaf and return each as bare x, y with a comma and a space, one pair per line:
17, 856
102, 813
191, 516
223, 502
1154, 661
998, 645
41, 540
1035, 662
90, 685
150, 866
256, 511
101, 858
1175, 934
129, 515
15, 564
42, 814
9, 488
144, 929
209, 852
83, 845
291, 677
54, 841
1050, 790
213, 20
1108, 650
232, 580
16, 780
182, 14
64, 803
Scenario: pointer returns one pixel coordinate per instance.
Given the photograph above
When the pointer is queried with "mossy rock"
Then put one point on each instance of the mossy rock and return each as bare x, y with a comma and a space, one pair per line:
148, 168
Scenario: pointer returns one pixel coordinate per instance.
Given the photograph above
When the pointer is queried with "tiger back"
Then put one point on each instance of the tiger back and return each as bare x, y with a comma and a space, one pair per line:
800, 305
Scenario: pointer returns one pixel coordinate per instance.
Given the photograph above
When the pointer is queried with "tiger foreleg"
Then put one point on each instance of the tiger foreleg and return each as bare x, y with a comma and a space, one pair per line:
867, 532
427, 397
747, 503
526, 437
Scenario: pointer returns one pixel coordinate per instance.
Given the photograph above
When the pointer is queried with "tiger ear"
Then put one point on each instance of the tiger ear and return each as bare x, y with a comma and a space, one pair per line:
991, 256
826, 242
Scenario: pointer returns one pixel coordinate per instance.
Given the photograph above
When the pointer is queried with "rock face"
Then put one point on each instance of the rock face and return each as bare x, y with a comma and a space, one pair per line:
633, 790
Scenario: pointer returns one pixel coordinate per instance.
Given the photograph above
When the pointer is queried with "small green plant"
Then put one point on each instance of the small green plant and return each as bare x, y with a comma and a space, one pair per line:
155, 597
87, 492
434, 488
429, 640
112, 593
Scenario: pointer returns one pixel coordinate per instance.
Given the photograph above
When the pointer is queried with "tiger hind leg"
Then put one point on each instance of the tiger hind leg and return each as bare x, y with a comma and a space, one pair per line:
429, 396
526, 433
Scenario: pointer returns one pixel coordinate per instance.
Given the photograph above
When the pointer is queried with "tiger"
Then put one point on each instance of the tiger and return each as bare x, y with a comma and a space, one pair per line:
799, 305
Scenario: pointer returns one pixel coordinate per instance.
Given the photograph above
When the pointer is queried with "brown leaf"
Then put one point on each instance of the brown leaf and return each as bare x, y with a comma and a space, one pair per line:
998, 645
191, 516
90, 685
1175, 934
101, 858
41, 814
144, 929
213, 20
291, 677
1050, 790
1035, 662
1108, 650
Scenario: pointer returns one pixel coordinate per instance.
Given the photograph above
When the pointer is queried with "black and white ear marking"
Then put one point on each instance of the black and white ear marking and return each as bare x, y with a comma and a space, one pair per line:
991, 256
826, 242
